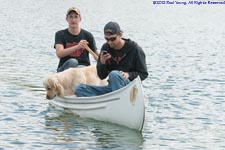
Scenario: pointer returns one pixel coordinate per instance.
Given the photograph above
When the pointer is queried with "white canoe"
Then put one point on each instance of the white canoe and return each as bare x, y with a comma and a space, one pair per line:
124, 106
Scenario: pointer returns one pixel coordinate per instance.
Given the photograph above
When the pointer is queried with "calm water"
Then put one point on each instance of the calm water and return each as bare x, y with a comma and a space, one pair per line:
185, 89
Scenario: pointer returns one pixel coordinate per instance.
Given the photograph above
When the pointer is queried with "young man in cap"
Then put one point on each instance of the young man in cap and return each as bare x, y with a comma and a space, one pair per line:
70, 43
122, 60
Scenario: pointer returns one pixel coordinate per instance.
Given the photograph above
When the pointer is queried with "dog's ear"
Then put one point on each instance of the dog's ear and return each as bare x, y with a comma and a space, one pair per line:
48, 82
59, 89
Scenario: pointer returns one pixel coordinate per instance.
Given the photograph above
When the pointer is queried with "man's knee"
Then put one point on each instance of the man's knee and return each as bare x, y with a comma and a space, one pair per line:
114, 74
72, 63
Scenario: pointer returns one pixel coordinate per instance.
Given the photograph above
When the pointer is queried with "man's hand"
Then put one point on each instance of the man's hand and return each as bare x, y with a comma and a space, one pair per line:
125, 75
82, 44
104, 57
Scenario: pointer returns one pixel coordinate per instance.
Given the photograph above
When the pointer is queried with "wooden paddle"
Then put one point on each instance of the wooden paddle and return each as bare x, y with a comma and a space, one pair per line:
92, 53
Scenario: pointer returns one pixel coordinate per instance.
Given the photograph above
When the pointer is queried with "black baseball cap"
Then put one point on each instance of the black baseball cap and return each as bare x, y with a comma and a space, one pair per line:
112, 28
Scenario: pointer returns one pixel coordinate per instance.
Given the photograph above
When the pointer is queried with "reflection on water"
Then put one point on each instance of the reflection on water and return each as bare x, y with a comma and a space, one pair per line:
71, 130
186, 85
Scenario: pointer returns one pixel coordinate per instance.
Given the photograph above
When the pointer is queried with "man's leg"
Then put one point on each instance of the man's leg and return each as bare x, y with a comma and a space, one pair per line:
70, 63
116, 80
83, 90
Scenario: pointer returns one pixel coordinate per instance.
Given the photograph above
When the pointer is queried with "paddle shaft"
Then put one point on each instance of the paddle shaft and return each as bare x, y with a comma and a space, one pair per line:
92, 53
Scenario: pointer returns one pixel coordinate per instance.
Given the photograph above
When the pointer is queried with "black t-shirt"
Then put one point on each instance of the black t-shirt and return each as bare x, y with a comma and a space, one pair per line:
67, 39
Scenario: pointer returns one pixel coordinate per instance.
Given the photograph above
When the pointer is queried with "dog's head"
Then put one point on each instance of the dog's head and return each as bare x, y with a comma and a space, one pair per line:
53, 88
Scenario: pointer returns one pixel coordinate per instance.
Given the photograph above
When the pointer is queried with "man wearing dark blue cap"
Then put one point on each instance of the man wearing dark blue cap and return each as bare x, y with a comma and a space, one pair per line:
121, 60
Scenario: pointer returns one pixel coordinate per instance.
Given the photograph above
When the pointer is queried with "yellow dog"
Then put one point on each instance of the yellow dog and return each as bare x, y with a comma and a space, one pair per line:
64, 83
